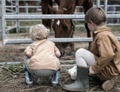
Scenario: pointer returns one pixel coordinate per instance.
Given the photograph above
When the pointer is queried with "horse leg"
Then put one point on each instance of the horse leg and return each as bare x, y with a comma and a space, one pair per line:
88, 34
45, 10
72, 50
87, 4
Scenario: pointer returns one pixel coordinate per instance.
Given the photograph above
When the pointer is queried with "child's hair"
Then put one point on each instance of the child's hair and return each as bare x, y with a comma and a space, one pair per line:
95, 15
38, 32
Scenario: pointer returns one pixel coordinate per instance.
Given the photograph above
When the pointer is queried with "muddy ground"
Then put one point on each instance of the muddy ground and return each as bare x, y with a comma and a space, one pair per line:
12, 76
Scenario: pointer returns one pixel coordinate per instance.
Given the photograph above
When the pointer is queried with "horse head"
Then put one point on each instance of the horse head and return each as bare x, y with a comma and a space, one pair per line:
64, 28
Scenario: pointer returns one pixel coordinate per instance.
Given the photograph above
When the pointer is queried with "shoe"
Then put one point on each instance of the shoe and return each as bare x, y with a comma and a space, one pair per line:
108, 84
55, 78
28, 78
82, 81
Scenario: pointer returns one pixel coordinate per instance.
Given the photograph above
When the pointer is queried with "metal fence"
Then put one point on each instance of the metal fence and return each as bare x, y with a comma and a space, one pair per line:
13, 15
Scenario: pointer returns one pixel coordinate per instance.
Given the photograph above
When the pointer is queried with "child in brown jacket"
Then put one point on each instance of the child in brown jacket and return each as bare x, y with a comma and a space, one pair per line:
102, 62
43, 54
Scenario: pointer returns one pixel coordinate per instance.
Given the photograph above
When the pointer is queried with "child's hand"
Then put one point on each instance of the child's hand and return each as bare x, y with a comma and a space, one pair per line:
58, 54
28, 54
91, 72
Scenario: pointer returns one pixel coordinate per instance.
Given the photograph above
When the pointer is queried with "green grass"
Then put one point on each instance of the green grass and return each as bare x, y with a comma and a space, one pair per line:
13, 68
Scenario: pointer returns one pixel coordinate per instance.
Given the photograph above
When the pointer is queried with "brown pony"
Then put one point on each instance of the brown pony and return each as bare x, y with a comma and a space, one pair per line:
64, 28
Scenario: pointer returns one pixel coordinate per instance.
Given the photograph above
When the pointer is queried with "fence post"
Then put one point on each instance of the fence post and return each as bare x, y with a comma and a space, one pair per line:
3, 21
17, 12
0, 21
0, 14
105, 5
98, 2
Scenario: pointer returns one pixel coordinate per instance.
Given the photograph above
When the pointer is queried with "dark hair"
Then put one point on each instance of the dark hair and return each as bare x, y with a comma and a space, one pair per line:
95, 15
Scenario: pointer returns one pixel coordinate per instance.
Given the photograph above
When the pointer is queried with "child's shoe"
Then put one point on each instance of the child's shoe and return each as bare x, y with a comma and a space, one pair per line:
55, 78
108, 84
28, 78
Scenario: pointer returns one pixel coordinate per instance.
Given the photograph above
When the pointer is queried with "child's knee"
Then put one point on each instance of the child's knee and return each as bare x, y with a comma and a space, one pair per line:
80, 51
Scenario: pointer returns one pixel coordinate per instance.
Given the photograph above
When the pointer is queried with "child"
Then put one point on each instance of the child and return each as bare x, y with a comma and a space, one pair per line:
43, 54
102, 62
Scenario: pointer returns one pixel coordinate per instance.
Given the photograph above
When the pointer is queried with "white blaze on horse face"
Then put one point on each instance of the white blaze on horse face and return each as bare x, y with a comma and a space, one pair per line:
58, 22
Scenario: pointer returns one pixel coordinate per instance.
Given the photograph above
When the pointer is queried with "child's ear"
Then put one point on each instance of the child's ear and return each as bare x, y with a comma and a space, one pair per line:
92, 23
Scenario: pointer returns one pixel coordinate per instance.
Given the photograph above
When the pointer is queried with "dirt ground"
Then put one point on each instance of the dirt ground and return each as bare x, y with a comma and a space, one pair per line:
12, 76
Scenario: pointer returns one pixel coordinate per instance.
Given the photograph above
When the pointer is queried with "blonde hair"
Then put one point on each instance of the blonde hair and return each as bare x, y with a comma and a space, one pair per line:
95, 15
38, 32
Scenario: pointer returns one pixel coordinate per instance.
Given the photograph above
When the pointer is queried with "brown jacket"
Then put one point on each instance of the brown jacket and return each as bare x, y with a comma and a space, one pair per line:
43, 55
106, 49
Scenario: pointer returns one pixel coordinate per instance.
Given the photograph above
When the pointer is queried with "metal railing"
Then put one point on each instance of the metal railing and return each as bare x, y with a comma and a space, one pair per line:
16, 15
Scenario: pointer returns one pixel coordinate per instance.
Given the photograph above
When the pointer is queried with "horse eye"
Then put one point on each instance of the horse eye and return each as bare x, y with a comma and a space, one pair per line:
66, 27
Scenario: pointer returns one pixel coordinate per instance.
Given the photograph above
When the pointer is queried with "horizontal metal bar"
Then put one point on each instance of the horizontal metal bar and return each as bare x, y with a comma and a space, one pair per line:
26, 41
16, 62
10, 62
44, 16
23, 6
32, 6
113, 24
25, 0
113, 15
53, 16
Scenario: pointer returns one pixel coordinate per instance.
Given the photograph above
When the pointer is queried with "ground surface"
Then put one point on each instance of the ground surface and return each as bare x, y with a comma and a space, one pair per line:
12, 76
